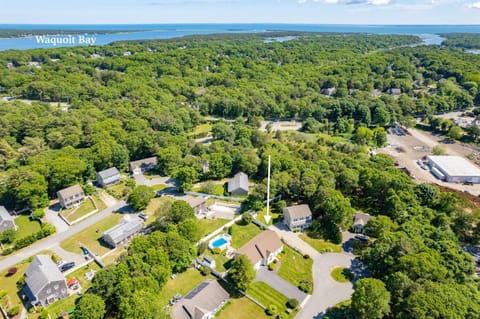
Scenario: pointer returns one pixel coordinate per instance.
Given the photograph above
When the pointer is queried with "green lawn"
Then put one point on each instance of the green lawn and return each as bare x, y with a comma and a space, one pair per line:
183, 284
202, 129
241, 234
155, 204
209, 225
222, 262
119, 190
90, 237
267, 296
86, 207
241, 308
159, 187
219, 190
58, 307
321, 245
338, 274
275, 217
294, 268
26, 226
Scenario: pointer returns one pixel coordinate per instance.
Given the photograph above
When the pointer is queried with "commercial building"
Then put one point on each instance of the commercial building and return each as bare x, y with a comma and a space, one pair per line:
454, 169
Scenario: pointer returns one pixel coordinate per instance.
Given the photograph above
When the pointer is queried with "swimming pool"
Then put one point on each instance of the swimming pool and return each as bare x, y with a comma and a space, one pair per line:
219, 242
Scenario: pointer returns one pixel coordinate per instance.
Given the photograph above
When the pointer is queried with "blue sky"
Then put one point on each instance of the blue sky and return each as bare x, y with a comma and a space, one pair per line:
241, 11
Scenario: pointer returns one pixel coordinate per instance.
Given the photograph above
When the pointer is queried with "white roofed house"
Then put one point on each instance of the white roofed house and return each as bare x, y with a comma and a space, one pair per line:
44, 283
108, 177
238, 185
125, 230
297, 218
6, 220
71, 196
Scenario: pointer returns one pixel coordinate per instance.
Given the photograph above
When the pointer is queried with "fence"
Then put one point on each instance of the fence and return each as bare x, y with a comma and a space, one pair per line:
235, 199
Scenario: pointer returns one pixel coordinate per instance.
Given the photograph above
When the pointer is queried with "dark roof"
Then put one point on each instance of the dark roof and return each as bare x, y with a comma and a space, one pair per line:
109, 172
298, 211
205, 298
70, 191
239, 181
42, 271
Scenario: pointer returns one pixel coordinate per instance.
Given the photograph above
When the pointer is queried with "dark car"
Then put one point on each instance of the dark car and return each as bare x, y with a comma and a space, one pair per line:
361, 238
67, 266
468, 183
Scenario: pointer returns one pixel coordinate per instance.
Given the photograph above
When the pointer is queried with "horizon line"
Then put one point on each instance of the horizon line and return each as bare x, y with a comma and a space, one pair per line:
233, 23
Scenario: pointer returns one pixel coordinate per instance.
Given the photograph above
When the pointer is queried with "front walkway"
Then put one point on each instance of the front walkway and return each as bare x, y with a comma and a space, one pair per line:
272, 279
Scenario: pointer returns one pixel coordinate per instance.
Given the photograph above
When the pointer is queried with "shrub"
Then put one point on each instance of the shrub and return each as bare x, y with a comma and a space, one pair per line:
3, 293
292, 303
306, 256
14, 311
271, 310
305, 286
20, 282
247, 218
38, 214
272, 266
201, 248
43, 314
7, 251
205, 271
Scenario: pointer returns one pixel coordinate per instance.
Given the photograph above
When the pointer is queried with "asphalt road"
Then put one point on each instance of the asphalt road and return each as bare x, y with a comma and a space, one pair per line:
59, 237
327, 292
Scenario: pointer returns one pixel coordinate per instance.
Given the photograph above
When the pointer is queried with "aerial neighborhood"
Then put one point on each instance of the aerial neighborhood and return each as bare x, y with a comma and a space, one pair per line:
274, 174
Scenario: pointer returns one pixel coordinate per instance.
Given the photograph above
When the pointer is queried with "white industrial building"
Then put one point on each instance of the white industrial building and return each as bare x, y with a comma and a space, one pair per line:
454, 169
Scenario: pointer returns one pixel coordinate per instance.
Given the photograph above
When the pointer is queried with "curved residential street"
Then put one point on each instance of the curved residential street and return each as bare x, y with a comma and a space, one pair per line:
56, 238
326, 292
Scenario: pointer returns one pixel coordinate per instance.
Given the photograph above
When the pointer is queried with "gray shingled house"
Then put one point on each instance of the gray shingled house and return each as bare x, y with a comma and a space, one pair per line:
238, 185
143, 165
45, 284
297, 218
71, 196
108, 177
203, 302
123, 231
359, 222
6, 220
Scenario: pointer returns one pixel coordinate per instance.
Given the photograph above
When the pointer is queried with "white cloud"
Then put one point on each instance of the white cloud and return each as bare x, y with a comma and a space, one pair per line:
475, 5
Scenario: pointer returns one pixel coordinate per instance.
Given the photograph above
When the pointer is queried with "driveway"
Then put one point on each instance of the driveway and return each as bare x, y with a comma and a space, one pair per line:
56, 238
51, 214
326, 291
293, 240
140, 179
272, 279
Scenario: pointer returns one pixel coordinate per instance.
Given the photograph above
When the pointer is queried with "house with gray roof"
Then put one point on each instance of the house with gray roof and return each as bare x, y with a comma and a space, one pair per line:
359, 222
143, 165
6, 220
297, 218
71, 196
238, 185
44, 283
125, 230
203, 302
108, 177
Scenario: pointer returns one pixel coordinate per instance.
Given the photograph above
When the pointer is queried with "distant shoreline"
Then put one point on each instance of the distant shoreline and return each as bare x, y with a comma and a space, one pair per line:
28, 33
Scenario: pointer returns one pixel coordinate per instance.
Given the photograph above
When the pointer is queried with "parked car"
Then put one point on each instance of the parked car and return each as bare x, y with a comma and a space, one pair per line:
360, 237
469, 183
67, 266
143, 216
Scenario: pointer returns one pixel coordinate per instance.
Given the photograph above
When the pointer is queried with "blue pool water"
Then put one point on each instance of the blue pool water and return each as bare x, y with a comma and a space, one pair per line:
218, 243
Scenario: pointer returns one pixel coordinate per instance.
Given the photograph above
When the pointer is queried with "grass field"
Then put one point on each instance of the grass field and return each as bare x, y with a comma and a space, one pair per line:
338, 274
209, 225
26, 226
86, 207
219, 190
119, 190
90, 237
201, 129
241, 234
294, 268
267, 296
321, 245
159, 187
183, 284
275, 217
240, 308
222, 262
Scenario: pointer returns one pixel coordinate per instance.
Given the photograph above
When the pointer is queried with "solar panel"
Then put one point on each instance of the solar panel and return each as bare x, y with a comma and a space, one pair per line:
195, 291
